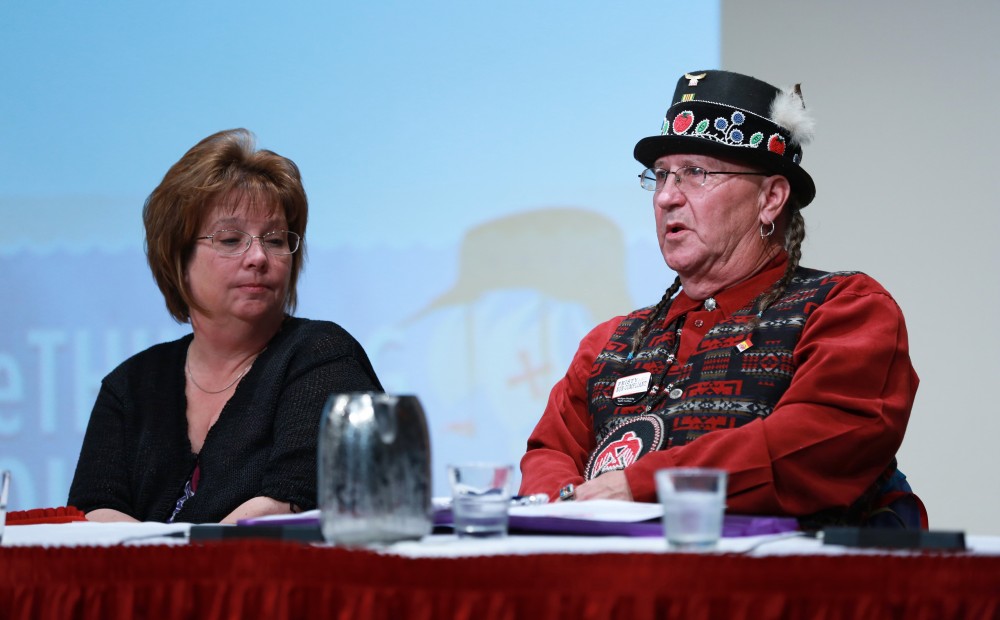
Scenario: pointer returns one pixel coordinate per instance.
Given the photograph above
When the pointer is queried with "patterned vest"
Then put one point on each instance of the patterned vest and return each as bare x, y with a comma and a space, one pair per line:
718, 387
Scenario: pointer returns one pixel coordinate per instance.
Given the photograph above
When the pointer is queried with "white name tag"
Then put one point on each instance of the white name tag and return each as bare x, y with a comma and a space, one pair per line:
632, 384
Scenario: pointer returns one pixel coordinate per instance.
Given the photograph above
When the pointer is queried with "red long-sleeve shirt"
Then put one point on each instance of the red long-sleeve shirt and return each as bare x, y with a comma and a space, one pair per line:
828, 438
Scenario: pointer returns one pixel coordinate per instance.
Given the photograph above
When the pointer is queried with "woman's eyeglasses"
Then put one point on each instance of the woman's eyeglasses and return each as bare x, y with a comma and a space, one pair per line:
236, 242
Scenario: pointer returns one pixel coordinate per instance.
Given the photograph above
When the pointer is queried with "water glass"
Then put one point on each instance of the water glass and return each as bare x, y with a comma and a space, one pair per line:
480, 496
694, 500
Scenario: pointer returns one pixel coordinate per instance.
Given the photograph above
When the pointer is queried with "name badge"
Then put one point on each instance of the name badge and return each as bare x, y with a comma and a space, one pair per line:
632, 384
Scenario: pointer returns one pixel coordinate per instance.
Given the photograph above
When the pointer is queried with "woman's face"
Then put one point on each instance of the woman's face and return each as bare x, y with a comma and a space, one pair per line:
251, 287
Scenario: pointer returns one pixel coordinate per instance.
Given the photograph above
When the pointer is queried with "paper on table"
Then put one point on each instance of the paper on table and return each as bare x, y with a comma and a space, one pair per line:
617, 518
594, 510
590, 518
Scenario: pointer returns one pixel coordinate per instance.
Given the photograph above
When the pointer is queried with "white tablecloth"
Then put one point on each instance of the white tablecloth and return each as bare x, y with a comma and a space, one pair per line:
106, 534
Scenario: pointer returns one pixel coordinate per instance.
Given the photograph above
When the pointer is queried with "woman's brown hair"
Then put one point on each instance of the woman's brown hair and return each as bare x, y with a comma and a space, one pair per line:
222, 165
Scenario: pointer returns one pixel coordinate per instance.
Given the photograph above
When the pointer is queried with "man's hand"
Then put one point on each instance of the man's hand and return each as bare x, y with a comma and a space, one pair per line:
612, 485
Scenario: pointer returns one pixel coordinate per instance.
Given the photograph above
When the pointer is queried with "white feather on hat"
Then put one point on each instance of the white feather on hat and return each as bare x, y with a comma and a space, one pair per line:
789, 111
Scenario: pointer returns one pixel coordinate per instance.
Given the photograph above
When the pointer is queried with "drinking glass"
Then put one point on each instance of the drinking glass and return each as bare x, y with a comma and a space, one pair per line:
694, 500
480, 496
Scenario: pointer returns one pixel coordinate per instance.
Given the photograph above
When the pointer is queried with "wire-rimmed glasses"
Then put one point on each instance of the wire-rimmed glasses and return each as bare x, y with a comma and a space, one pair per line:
685, 178
235, 242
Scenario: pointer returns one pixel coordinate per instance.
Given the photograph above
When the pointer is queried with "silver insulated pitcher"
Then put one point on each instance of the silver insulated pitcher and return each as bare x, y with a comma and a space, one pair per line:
374, 469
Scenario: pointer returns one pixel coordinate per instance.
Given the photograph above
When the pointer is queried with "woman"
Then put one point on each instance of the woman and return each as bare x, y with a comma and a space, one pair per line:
222, 424
797, 382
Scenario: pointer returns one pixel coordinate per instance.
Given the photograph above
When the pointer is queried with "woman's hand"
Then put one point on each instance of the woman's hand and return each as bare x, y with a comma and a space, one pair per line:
611, 485
258, 507
108, 515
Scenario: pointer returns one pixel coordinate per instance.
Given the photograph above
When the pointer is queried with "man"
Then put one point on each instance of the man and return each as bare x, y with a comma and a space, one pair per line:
750, 362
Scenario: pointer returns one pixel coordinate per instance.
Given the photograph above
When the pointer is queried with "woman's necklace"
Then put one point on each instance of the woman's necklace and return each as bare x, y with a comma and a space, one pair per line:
187, 370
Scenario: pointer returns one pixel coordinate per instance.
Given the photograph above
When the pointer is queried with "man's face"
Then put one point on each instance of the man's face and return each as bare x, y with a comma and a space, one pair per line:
708, 232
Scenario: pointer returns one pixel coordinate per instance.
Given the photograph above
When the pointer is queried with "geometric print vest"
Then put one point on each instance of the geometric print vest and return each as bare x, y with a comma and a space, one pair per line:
718, 387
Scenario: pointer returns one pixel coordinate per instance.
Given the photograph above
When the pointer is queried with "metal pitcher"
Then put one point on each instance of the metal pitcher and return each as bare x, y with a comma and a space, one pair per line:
374, 469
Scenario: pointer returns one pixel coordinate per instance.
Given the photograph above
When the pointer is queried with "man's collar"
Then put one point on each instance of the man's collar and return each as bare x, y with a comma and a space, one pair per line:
736, 296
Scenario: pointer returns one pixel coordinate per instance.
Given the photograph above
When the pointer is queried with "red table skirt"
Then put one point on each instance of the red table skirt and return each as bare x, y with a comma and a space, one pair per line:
266, 579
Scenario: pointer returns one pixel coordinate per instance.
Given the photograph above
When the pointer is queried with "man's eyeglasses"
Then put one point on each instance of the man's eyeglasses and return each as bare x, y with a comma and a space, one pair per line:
685, 178
236, 242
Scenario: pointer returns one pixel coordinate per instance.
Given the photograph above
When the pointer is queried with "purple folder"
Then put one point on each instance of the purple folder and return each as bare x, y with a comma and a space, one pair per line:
732, 525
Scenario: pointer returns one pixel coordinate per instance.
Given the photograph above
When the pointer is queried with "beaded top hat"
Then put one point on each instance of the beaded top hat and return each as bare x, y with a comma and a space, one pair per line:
728, 114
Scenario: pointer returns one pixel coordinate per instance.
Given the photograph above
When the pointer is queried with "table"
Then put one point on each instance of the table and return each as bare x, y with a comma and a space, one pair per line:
444, 577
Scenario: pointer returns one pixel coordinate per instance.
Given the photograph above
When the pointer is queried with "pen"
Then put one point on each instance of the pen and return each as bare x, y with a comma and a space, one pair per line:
444, 503
529, 500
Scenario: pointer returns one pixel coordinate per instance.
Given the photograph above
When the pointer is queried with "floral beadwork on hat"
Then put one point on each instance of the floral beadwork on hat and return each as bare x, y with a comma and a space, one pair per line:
727, 131
726, 114
776, 144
